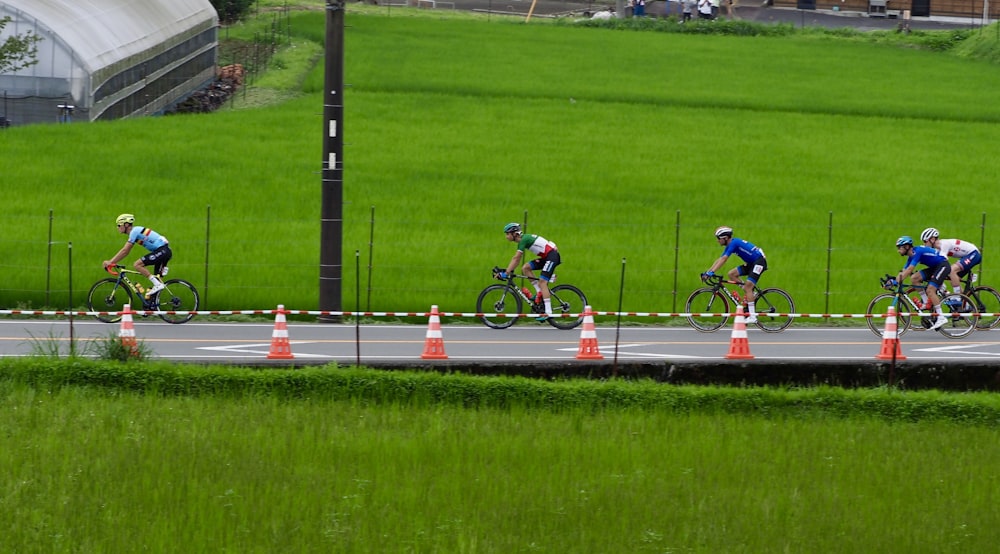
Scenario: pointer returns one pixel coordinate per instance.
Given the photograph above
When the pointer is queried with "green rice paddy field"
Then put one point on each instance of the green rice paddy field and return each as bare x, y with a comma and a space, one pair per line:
821, 150
625, 148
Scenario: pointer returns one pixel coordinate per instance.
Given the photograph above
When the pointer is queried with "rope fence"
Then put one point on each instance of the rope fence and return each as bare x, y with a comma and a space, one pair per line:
323, 313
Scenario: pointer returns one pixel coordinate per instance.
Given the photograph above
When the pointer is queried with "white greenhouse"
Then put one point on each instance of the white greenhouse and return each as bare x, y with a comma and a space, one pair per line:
107, 59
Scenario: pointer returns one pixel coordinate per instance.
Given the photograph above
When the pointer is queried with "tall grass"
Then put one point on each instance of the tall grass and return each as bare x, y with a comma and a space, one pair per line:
604, 139
263, 475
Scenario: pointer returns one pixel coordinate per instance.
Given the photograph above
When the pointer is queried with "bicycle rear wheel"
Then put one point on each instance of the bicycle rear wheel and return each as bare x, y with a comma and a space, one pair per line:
961, 313
707, 300
567, 299
880, 305
108, 295
179, 296
987, 302
773, 309
494, 302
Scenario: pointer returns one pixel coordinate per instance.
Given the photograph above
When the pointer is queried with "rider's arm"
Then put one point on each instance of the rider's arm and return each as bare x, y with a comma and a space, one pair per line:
718, 263
120, 255
515, 261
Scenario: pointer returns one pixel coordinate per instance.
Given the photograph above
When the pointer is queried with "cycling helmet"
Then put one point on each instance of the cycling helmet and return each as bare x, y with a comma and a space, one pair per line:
904, 240
928, 234
125, 218
512, 228
724, 231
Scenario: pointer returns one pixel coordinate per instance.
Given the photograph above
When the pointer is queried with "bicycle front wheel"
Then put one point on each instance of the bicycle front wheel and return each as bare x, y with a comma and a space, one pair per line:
567, 299
179, 296
493, 304
774, 307
108, 295
707, 305
879, 306
961, 313
987, 302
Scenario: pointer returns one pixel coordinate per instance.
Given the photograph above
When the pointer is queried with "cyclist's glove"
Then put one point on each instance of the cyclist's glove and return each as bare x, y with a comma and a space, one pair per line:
501, 275
707, 274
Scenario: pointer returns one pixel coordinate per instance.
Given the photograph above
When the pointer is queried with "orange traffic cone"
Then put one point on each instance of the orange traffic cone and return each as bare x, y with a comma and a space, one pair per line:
588, 338
281, 349
739, 347
434, 345
890, 339
127, 331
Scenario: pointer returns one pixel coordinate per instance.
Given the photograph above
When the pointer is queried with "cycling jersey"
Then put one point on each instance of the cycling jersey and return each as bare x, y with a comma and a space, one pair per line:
955, 248
147, 237
925, 255
745, 250
536, 245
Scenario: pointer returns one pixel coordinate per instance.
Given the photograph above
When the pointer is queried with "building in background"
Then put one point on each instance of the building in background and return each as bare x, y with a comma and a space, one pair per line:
108, 59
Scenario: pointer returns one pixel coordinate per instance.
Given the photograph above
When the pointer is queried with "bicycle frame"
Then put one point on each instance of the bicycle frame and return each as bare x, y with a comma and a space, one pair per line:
565, 299
175, 303
960, 310
774, 306
122, 273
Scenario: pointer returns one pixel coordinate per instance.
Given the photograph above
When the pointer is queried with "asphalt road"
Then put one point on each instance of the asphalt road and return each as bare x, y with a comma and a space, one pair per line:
525, 343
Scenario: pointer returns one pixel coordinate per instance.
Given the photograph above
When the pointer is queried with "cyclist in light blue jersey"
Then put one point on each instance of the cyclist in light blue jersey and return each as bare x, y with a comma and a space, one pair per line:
158, 246
938, 269
754, 263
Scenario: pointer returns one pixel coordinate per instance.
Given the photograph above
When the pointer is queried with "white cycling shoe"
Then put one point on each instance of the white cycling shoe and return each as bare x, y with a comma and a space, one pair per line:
939, 322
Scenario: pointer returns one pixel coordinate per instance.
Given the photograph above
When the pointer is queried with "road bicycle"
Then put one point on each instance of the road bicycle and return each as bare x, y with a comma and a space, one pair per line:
112, 293
961, 311
708, 306
495, 300
987, 301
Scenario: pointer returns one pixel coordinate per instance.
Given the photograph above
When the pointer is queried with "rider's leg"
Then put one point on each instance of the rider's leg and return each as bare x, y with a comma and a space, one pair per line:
141, 268
935, 281
916, 279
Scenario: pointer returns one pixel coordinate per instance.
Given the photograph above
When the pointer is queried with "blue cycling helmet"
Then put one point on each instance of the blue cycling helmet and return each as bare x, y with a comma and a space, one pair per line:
512, 228
904, 240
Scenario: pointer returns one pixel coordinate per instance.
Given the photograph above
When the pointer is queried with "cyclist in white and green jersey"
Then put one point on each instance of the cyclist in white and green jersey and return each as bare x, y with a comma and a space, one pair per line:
547, 260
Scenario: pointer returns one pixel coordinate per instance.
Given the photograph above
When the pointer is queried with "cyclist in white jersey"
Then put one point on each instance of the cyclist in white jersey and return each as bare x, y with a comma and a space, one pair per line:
547, 260
158, 246
966, 253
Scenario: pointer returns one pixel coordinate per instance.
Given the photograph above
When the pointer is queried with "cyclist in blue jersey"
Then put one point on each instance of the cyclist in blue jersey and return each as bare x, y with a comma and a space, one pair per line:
158, 246
754, 263
938, 269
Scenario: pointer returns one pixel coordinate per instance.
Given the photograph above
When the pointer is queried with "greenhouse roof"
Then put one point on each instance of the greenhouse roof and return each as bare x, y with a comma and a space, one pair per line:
102, 32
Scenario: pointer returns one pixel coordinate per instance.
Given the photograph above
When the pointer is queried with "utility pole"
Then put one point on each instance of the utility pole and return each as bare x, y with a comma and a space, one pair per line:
332, 209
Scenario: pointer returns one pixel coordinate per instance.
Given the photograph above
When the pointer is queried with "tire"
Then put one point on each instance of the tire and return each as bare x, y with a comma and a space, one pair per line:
961, 313
711, 301
179, 296
987, 301
499, 299
567, 299
107, 295
773, 307
880, 305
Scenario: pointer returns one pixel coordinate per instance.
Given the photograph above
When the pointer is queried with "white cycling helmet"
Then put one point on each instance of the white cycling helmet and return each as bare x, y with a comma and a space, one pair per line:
928, 234
724, 231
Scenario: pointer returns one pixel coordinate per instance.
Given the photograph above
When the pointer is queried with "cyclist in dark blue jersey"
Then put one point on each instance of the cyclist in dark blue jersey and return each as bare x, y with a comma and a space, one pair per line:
938, 269
754, 263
